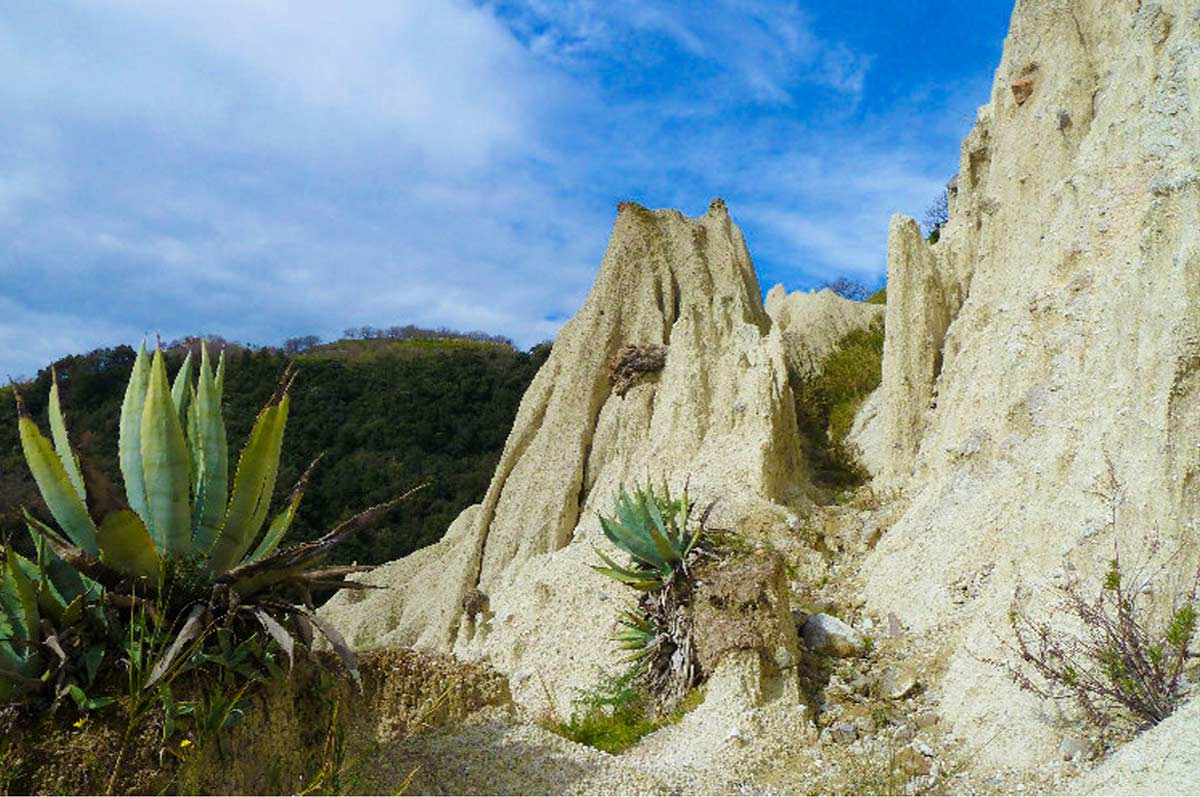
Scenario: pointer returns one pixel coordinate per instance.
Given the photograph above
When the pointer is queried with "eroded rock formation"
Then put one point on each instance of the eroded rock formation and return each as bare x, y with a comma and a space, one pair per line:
1054, 327
813, 322
510, 581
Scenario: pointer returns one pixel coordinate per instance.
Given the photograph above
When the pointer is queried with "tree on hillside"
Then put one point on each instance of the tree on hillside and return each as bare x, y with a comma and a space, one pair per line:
847, 289
303, 343
936, 215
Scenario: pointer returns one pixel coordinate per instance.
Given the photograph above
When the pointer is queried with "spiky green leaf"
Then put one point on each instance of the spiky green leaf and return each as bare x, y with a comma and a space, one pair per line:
237, 532
165, 467
130, 439
283, 521
211, 452
181, 389
62, 443
18, 599
125, 545
55, 486
620, 535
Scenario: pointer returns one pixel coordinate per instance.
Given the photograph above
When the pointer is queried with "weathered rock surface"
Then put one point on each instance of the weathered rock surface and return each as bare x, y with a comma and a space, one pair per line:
743, 604
719, 415
813, 322
896, 682
1054, 326
1162, 760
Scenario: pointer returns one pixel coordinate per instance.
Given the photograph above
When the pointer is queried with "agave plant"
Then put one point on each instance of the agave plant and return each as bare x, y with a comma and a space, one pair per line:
192, 535
657, 635
652, 529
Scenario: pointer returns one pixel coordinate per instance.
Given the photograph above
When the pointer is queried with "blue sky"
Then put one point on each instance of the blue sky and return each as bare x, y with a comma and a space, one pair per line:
266, 169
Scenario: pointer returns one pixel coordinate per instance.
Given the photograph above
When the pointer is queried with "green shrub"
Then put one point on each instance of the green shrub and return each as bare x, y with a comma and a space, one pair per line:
614, 715
827, 401
1119, 661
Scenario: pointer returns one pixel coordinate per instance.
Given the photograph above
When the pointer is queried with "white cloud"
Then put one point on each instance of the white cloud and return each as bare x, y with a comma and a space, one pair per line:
762, 50
284, 167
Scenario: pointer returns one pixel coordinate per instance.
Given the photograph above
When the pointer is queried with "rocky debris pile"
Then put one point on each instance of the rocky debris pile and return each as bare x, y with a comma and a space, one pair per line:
633, 360
826, 635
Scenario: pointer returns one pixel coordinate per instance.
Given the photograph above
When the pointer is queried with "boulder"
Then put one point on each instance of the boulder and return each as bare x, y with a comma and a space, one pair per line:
826, 635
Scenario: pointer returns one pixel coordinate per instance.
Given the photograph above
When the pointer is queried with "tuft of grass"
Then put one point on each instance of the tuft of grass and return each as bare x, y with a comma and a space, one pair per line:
879, 297
615, 714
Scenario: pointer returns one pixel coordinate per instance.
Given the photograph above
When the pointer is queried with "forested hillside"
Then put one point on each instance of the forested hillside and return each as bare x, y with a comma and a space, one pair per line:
387, 414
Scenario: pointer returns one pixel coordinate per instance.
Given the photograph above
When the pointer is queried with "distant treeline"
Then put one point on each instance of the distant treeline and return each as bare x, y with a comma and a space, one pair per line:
387, 414
406, 332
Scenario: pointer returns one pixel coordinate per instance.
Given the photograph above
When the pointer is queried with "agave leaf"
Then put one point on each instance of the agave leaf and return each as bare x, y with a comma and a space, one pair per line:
637, 582
18, 597
637, 573
165, 467
50, 603
126, 546
55, 579
62, 443
192, 628
130, 442
250, 577
283, 521
181, 389
191, 431
75, 558
211, 450
338, 643
275, 449
236, 534
619, 535
627, 513
277, 632
670, 559
55, 485
657, 519
633, 620
220, 378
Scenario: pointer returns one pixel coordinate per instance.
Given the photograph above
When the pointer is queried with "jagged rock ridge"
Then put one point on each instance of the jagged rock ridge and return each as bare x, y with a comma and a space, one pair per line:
510, 580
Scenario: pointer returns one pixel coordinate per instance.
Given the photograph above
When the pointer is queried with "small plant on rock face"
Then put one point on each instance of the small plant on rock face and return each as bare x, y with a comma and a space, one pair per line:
653, 530
1122, 669
189, 551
